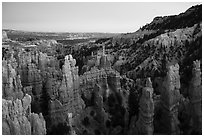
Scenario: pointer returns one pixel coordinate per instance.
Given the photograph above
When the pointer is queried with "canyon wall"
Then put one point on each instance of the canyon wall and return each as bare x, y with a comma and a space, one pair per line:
170, 96
17, 118
195, 94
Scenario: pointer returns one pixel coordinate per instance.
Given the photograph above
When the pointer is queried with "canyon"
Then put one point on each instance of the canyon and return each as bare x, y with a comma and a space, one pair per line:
143, 83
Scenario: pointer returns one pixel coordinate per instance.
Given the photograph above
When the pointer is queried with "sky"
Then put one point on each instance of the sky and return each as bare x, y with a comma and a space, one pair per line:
120, 17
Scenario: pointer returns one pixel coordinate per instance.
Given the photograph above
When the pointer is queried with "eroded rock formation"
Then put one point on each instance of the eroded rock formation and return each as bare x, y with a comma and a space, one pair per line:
195, 96
146, 112
144, 124
66, 99
31, 76
38, 77
103, 96
11, 81
4, 36
17, 118
38, 126
170, 97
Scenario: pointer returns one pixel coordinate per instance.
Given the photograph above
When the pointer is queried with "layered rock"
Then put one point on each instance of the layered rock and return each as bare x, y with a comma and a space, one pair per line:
67, 99
109, 79
195, 96
17, 112
52, 83
184, 115
142, 123
11, 82
17, 118
170, 96
103, 96
34, 67
32, 78
46, 62
146, 111
102, 61
27, 68
92, 119
38, 125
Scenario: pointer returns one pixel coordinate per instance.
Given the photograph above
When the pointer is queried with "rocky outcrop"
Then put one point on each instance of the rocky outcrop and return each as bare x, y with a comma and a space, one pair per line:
183, 20
109, 79
66, 99
4, 36
38, 126
101, 60
46, 62
16, 109
70, 122
34, 67
195, 96
184, 115
31, 77
92, 120
47, 43
17, 118
11, 82
170, 96
146, 112
143, 125
28, 69
103, 96
99, 100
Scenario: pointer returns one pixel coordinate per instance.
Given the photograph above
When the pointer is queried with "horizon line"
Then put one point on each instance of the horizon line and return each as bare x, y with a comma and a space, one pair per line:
69, 31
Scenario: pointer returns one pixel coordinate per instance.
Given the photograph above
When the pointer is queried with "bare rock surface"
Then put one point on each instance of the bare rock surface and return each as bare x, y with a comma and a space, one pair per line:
18, 120
195, 92
170, 96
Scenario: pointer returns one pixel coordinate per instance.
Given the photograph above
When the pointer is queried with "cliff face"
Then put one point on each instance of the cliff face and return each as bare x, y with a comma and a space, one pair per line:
17, 118
23, 66
54, 93
16, 112
170, 97
103, 96
45, 79
31, 76
11, 81
34, 67
145, 122
38, 125
66, 99
142, 123
195, 94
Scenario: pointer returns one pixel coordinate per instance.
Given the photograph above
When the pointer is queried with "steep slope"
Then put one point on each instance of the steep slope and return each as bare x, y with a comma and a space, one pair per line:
187, 19
146, 82
168, 47
166, 39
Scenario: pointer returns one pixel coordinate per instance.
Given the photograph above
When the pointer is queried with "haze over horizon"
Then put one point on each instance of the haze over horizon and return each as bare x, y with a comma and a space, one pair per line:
108, 17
